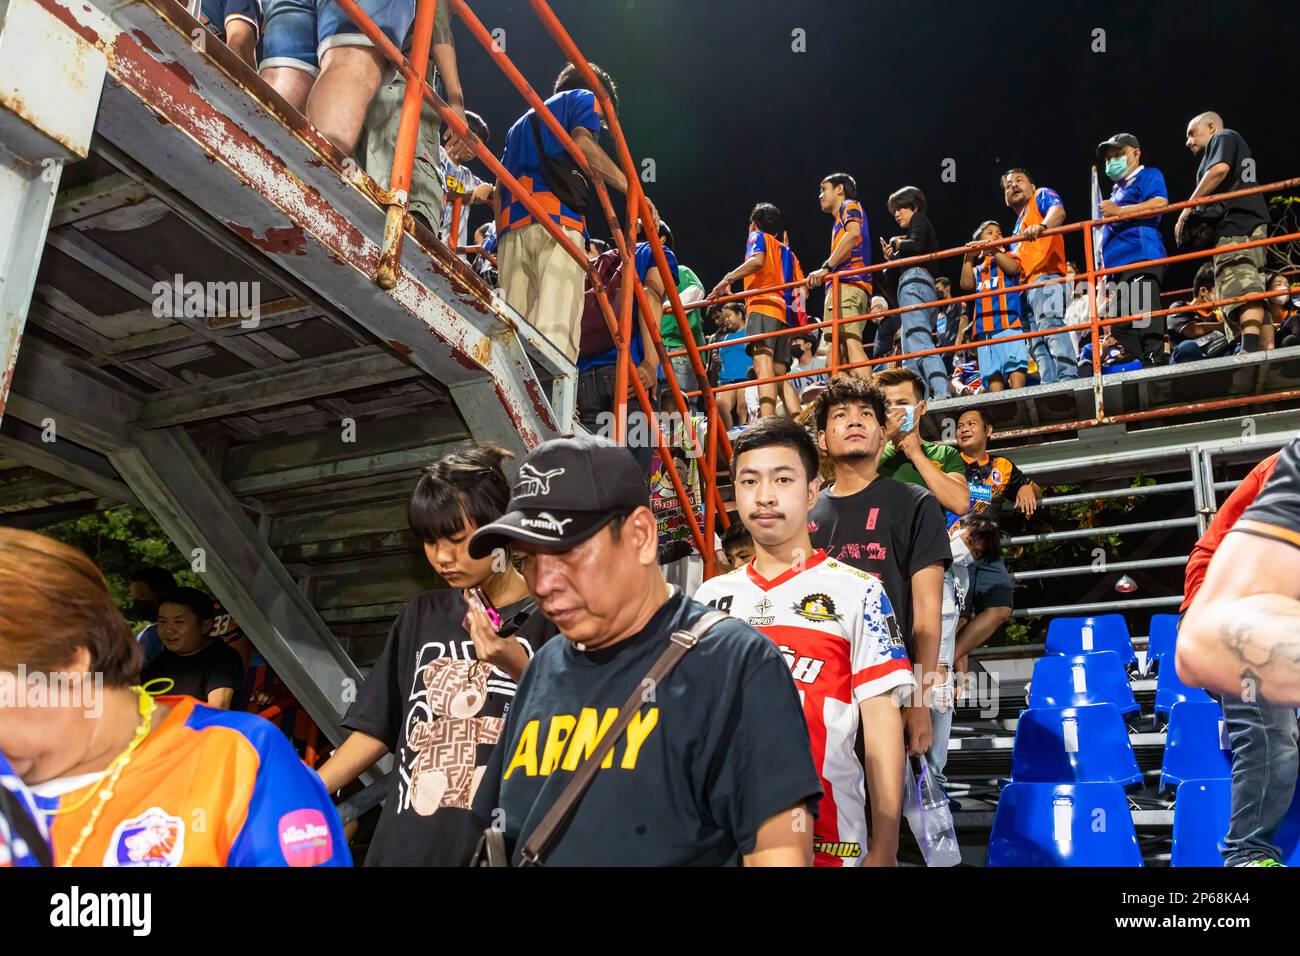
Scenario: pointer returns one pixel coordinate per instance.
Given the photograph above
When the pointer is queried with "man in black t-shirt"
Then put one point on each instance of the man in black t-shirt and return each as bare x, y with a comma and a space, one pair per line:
886, 528
715, 768
198, 665
1241, 634
1227, 166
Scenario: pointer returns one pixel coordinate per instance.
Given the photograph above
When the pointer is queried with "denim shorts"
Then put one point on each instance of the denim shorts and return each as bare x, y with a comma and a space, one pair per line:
296, 33
214, 14
1003, 358
991, 586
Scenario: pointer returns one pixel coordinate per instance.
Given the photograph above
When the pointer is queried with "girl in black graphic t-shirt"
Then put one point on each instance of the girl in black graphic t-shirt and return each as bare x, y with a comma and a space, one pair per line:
437, 696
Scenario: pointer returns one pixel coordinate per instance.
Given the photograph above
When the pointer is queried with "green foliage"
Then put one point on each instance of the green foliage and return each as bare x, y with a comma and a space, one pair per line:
1038, 555
121, 540
1018, 632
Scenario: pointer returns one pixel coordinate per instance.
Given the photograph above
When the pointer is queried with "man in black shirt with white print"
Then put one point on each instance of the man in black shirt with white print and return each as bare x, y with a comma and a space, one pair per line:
716, 766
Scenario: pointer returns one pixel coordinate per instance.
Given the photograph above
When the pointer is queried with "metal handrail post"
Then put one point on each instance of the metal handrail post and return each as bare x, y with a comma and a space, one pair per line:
835, 324
408, 131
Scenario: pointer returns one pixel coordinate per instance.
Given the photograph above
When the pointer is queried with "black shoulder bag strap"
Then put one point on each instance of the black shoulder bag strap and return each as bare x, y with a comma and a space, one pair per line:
566, 180
540, 840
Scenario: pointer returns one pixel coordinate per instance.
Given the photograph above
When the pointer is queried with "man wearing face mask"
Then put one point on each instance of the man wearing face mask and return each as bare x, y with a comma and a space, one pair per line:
1133, 241
146, 587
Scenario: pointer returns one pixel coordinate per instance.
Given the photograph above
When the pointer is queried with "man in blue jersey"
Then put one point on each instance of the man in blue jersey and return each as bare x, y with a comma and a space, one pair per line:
850, 249
1126, 246
538, 277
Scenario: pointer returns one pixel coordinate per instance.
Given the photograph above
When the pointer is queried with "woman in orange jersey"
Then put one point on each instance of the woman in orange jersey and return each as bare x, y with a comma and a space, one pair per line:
124, 778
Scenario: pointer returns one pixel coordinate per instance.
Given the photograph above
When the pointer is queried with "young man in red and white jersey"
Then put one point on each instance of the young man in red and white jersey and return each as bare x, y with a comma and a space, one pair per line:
835, 626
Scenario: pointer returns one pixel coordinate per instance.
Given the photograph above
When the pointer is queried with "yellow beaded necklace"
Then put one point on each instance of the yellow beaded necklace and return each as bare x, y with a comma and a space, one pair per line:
110, 776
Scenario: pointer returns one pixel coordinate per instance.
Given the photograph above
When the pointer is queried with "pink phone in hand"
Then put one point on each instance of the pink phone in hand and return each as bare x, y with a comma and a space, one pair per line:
493, 617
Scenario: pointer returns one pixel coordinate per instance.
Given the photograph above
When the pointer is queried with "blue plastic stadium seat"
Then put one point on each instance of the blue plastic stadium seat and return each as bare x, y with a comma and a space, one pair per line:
1077, 824
1170, 690
1202, 809
1073, 745
1079, 635
1096, 678
1161, 640
1194, 744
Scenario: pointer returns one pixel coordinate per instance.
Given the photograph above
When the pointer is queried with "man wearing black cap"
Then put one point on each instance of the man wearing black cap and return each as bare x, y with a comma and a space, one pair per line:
715, 768
1137, 188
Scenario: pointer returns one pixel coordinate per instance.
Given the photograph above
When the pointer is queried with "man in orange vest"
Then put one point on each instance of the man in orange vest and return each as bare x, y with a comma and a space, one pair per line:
1042, 266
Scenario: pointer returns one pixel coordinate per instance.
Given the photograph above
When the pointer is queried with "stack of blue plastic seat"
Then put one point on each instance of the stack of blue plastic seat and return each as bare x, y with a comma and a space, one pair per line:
1066, 803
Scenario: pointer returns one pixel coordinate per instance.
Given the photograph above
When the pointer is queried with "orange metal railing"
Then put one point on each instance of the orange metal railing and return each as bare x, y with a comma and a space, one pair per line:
1091, 275
639, 211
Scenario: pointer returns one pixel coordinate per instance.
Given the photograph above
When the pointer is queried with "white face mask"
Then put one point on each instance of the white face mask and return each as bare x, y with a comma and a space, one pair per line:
960, 552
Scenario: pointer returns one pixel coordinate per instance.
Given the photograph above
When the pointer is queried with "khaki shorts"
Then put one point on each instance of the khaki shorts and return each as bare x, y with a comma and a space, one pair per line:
1240, 273
757, 323
854, 300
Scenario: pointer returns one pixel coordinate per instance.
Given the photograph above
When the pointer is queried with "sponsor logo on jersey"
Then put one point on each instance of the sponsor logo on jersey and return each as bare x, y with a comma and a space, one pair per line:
895, 638
305, 838
816, 607
844, 851
762, 618
154, 838
802, 669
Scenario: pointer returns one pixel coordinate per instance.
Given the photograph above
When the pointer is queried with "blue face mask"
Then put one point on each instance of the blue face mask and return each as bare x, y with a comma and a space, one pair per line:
1116, 168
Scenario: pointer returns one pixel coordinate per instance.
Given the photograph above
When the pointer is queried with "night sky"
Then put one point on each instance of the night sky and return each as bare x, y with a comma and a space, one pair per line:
712, 91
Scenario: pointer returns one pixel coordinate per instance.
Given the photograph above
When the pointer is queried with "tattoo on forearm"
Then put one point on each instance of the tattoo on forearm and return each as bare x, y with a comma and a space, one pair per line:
1262, 656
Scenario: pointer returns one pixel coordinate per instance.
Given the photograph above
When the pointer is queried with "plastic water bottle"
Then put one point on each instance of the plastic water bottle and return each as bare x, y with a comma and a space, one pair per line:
930, 818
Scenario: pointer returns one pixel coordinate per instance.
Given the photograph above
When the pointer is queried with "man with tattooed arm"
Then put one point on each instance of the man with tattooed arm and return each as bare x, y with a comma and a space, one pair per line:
1240, 636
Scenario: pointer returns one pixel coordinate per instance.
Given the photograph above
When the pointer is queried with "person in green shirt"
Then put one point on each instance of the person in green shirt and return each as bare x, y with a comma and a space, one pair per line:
907, 457
689, 289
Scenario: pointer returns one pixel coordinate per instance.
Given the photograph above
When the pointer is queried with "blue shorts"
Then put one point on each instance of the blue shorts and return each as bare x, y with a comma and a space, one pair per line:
1002, 359
215, 13
296, 33
991, 585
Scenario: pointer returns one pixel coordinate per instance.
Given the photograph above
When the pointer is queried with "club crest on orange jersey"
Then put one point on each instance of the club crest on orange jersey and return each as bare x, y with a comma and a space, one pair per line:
816, 607
154, 838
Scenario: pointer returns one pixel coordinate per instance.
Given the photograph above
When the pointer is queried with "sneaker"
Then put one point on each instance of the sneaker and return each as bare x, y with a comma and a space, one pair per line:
1263, 862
